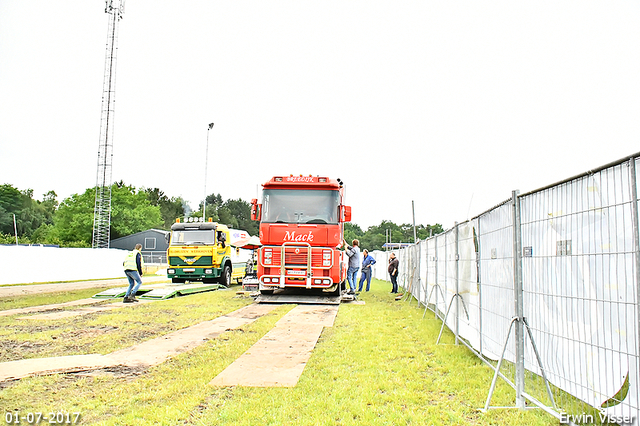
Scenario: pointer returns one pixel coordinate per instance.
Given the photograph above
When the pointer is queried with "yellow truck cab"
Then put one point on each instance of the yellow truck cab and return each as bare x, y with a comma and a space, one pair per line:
202, 251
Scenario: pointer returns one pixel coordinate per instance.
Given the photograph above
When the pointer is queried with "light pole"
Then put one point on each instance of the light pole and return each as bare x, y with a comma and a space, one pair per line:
206, 161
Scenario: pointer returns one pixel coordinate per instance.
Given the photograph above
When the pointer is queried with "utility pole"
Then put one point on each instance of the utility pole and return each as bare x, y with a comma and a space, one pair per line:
206, 162
102, 207
15, 228
413, 210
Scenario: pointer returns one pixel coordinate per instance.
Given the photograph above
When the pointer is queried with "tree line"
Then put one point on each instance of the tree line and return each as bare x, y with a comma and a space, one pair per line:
69, 223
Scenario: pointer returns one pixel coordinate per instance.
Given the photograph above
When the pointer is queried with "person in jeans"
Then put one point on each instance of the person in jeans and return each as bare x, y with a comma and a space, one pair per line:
393, 272
354, 263
133, 270
367, 262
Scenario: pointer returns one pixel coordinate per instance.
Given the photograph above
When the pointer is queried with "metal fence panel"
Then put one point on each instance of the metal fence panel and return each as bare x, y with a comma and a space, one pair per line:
468, 285
579, 287
578, 256
496, 280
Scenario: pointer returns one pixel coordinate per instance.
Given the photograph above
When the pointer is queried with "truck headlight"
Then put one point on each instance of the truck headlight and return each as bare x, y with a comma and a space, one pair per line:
171, 271
208, 271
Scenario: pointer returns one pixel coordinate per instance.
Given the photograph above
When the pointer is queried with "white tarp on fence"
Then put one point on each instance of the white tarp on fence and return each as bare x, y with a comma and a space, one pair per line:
24, 264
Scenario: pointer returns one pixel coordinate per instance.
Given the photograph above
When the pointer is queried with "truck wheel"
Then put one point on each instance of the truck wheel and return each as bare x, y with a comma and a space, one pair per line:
177, 280
225, 278
266, 291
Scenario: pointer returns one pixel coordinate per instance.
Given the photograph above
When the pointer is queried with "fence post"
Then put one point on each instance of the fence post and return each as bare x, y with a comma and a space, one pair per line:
517, 292
435, 273
419, 260
479, 281
457, 263
636, 237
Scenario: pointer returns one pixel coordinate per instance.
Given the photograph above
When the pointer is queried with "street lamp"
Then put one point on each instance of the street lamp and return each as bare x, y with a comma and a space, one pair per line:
206, 162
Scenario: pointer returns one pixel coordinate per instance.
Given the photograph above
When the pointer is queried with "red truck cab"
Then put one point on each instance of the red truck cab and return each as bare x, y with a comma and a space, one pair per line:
301, 229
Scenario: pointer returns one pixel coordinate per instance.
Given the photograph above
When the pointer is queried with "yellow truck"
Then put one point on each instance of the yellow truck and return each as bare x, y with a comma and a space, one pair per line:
204, 251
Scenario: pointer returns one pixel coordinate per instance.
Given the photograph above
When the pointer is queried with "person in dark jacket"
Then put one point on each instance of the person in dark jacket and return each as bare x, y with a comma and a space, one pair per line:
393, 272
367, 262
133, 270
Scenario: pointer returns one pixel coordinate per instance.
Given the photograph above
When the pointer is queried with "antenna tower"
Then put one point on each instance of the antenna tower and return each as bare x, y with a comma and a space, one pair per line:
102, 209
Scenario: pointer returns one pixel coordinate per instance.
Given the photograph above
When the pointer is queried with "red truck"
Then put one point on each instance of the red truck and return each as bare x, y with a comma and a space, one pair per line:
301, 228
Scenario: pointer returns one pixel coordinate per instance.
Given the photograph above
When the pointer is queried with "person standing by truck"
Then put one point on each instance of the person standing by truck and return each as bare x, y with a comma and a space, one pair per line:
133, 270
354, 263
367, 262
393, 272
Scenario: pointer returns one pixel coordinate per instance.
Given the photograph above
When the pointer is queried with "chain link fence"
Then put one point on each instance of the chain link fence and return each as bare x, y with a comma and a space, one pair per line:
544, 288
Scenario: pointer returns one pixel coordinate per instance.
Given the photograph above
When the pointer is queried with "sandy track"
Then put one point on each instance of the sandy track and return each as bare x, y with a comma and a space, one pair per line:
24, 290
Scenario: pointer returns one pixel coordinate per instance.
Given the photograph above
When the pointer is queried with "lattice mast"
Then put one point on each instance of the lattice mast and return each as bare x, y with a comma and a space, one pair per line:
102, 209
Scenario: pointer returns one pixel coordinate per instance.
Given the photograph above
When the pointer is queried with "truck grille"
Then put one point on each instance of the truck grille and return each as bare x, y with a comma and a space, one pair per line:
203, 261
292, 258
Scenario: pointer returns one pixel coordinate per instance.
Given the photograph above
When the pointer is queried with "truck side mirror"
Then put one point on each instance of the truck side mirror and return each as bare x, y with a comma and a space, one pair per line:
256, 210
346, 213
167, 237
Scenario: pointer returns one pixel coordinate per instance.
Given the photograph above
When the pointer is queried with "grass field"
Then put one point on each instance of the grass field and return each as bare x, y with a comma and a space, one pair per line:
378, 365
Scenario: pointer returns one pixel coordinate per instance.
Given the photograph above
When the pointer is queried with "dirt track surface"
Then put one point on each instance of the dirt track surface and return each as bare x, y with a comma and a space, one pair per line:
24, 290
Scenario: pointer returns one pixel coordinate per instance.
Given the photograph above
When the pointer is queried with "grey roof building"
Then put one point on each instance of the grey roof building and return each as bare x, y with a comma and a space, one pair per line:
154, 244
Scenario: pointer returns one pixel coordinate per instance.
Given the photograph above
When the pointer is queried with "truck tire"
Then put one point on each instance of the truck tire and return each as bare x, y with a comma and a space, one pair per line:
177, 280
225, 278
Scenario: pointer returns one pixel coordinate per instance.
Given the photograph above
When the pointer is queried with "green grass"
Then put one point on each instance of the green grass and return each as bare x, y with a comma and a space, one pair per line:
378, 365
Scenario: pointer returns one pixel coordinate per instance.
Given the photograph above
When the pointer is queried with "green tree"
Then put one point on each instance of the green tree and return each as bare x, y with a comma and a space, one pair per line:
375, 236
240, 210
131, 212
352, 232
170, 208
233, 213
10, 204
30, 214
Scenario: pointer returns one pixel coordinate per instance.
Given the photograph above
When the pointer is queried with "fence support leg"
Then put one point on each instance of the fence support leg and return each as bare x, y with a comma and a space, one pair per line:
495, 375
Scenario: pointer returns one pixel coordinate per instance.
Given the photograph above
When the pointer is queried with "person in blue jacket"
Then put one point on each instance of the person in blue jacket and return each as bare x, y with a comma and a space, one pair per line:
367, 262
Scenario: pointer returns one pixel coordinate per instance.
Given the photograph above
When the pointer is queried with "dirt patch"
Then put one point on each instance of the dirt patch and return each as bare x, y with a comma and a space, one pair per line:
13, 350
136, 358
30, 329
117, 371
92, 331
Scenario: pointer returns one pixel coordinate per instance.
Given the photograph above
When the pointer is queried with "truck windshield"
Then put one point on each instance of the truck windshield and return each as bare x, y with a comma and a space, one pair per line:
192, 237
300, 206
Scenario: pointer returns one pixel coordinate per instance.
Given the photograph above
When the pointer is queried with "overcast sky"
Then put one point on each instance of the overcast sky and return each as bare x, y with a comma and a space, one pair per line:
452, 104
